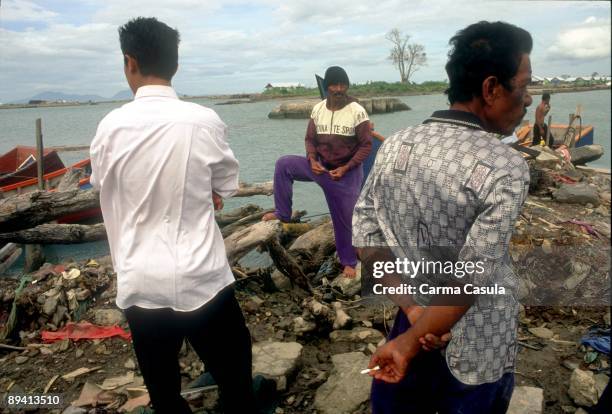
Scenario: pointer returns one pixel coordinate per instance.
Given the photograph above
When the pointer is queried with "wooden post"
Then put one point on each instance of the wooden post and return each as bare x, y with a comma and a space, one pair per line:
34, 256
39, 154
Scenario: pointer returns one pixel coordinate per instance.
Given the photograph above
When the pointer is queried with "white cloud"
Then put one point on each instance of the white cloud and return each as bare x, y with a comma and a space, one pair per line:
24, 11
235, 45
591, 40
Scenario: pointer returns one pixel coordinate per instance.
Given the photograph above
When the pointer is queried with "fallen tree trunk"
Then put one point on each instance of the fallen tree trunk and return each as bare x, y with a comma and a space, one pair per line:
57, 234
71, 179
31, 209
243, 241
286, 264
8, 261
248, 190
243, 222
224, 219
248, 220
311, 249
81, 233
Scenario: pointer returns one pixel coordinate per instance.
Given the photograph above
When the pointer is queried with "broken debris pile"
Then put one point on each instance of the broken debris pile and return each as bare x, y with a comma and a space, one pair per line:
309, 320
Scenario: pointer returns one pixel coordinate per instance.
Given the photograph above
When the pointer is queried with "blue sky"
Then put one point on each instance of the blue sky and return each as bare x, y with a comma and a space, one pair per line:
236, 46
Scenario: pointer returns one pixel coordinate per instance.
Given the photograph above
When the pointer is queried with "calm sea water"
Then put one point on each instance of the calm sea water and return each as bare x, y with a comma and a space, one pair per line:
258, 141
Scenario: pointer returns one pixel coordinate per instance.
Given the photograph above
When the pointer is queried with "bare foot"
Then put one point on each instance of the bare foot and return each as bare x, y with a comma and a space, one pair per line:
349, 272
269, 216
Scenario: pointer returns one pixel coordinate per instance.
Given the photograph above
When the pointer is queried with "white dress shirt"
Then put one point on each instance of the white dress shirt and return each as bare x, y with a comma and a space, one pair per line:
156, 162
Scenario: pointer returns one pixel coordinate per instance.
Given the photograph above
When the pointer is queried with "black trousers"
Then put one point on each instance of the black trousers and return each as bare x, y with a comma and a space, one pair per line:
216, 331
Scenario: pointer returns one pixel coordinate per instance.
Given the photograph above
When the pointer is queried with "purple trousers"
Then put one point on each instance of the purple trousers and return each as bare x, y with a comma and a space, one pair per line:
341, 197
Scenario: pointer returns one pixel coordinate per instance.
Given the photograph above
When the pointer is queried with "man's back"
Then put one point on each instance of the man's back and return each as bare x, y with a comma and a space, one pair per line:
157, 160
445, 185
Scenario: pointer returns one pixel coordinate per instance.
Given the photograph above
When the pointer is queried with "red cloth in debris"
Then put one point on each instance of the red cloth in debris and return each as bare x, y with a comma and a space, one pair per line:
84, 330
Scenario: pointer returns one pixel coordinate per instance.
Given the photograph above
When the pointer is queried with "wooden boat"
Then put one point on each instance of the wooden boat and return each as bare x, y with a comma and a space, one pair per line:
21, 180
581, 135
20, 164
573, 142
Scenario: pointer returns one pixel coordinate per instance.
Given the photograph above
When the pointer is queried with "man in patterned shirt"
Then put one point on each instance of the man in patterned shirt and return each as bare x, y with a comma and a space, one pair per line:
337, 142
448, 189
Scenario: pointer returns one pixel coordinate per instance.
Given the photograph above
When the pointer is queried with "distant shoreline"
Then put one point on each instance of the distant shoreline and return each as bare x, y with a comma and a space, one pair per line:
257, 97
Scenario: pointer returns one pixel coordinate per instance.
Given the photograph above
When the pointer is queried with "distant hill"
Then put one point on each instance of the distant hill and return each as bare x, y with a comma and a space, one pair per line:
60, 96
123, 95
52, 96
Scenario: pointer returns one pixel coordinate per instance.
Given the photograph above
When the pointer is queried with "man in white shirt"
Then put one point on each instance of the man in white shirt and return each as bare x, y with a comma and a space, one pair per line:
162, 167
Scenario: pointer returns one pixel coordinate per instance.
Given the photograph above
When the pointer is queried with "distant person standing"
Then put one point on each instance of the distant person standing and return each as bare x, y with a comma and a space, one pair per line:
162, 166
337, 142
540, 129
376, 143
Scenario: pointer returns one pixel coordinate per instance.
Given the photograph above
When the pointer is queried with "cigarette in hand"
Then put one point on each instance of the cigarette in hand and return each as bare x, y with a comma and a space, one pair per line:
368, 370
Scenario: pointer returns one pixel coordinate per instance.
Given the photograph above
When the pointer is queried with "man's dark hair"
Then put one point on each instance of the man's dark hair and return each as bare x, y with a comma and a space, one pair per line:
153, 44
546, 96
481, 50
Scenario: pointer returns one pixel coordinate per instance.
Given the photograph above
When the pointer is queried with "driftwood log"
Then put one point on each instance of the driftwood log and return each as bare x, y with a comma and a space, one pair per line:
31, 209
38, 207
224, 219
8, 255
248, 190
81, 233
243, 241
57, 234
286, 264
243, 222
71, 179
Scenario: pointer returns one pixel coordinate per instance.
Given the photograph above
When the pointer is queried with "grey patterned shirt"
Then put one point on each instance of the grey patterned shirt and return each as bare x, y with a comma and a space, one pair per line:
447, 182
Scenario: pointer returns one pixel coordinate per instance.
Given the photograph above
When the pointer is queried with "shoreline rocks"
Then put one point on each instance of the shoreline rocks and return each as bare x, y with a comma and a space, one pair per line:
302, 109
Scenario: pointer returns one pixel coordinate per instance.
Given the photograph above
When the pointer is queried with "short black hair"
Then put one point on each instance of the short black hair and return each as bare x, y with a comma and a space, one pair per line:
481, 50
546, 96
153, 44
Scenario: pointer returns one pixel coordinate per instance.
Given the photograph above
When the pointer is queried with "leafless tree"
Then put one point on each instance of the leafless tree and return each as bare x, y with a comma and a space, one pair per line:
407, 57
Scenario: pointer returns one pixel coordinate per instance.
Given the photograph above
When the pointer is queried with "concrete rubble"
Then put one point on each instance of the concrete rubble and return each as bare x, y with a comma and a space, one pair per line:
346, 389
276, 361
526, 400
583, 389
312, 343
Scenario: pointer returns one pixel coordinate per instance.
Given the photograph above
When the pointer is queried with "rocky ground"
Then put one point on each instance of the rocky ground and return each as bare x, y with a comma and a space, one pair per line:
315, 367
313, 344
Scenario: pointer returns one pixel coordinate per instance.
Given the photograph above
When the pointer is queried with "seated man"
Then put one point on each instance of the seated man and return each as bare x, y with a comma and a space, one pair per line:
337, 142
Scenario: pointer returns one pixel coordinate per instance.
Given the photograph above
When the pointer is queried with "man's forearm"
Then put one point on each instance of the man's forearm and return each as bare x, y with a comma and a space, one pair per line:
436, 320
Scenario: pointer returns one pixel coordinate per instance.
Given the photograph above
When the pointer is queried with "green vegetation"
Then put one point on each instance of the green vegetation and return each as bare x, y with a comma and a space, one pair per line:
365, 89
397, 88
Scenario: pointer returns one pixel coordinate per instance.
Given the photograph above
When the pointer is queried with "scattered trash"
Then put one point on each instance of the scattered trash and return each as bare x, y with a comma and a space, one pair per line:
134, 403
116, 382
597, 338
71, 274
84, 330
541, 332
590, 357
586, 227
50, 384
80, 371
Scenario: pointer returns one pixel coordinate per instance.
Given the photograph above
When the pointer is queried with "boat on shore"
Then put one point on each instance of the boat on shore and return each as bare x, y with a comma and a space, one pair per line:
573, 143
18, 175
20, 164
582, 135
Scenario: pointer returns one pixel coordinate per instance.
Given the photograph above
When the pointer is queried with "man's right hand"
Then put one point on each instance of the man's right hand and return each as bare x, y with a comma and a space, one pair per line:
394, 357
316, 167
